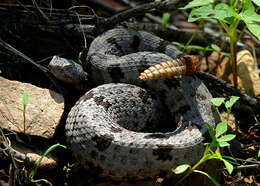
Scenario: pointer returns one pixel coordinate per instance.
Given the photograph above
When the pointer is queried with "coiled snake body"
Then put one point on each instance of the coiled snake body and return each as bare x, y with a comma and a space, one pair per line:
116, 126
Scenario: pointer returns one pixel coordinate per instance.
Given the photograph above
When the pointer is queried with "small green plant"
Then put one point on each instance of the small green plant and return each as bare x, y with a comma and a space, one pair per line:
228, 104
187, 48
165, 17
228, 15
36, 166
218, 140
25, 102
80, 58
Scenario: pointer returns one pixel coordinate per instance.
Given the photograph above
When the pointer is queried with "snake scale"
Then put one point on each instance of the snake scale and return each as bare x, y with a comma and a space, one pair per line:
118, 125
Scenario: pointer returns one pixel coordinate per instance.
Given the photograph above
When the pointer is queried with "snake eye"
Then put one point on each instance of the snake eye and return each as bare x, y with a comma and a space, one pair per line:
181, 66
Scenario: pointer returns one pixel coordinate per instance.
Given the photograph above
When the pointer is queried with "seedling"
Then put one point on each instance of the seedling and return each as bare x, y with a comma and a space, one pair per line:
187, 48
218, 140
229, 16
25, 102
228, 104
165, 19
36, 166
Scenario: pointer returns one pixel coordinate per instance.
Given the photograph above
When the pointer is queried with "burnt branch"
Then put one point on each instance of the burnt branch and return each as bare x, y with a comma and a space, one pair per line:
107, 23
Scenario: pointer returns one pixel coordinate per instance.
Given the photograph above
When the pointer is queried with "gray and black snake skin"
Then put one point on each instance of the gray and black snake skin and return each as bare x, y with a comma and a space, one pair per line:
117, 126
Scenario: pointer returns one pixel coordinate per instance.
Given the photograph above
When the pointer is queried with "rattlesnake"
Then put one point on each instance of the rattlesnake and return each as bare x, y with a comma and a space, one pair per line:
116, 126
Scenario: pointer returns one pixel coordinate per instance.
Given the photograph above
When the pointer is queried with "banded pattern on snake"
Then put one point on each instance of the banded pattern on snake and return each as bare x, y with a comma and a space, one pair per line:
117, 126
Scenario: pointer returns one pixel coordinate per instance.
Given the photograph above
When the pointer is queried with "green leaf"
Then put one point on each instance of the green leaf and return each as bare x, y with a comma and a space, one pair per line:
249, 159
221, 128
181, 168
248, 10
178, 44
196, 3
217, 101
229, 166
211, 178
203, 12
218, 154
214, 144
25, 98
229, 158
211, 132
257, 2
254, 28
223, 144
234, 4
80, 58
226, 54
251, 18
258, 155
231, 101
37, 164
225, 13
215, 47
197, 47
239, 174
165, 19
221, 12
227, 137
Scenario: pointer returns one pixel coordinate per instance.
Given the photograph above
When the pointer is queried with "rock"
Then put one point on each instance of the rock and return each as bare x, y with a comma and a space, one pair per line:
249, 80
248, 75
43, 112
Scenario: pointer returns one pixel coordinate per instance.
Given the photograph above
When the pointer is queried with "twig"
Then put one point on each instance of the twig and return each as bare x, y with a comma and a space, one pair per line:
25, 158
41, 181
16, 52
105, 24
245, 167
251, 144
42, 68
6, 142
80, 24
39, 9
8, 150
224, 87
249, 161
150, 16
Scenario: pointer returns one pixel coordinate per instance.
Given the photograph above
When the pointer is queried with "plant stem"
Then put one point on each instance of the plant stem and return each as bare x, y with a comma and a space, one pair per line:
37, 164
233, 52
202, 24
228, 114
190, 171
211, 178
242, 32
24, 119
232, 33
